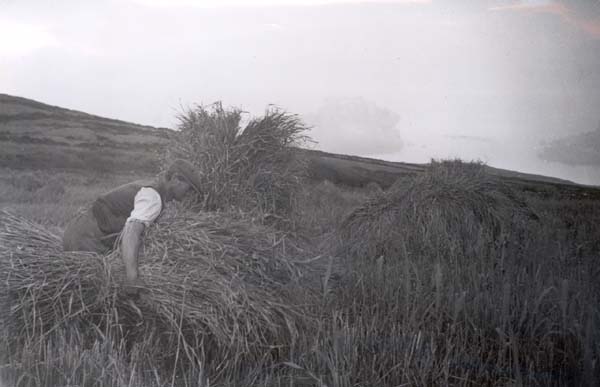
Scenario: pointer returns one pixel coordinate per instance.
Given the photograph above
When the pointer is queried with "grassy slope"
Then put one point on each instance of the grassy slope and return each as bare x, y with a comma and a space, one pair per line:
34, 135
53, 197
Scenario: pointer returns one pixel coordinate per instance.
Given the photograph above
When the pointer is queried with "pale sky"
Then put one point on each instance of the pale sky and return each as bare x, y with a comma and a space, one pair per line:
403, 80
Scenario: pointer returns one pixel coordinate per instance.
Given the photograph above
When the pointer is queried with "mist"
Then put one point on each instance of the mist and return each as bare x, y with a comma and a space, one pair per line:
494, 81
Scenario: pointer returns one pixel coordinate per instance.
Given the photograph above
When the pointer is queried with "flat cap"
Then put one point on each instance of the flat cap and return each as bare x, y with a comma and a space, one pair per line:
188, 172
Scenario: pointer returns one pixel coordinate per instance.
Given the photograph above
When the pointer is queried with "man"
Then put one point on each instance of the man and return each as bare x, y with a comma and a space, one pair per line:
126, 211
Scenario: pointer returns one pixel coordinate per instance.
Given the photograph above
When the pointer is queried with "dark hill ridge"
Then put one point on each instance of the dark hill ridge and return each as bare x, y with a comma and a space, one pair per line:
12, 107
359, 171
578, 149
21, 116
34, 135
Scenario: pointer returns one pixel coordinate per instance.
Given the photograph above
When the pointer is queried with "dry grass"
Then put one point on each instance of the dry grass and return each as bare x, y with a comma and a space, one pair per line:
52, 198
523, 312
252, 167
456, 280
220, 290
454, 209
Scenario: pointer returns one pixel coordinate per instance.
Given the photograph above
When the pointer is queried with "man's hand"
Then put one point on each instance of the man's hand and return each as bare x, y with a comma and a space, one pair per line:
134, 291
134, 287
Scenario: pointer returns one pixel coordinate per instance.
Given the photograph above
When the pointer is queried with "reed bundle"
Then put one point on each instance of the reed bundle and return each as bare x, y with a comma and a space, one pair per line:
454, 209
217, 287
251, 167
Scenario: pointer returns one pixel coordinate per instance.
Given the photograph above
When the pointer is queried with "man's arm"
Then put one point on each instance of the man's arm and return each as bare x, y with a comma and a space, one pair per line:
130, 246
146, 208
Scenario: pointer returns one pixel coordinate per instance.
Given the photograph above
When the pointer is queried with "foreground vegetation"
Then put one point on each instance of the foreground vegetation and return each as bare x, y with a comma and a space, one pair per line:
446, 279
528, 318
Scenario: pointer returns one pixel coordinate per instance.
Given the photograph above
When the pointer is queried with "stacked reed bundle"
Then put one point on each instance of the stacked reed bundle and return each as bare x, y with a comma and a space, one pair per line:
454, 209
253, 167
217, 287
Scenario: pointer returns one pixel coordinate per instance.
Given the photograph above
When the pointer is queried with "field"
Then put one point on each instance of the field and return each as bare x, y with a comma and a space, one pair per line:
529, 317
298, 268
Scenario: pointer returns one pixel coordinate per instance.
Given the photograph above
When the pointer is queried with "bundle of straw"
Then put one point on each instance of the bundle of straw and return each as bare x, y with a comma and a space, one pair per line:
217, 287
251, 167
454, 209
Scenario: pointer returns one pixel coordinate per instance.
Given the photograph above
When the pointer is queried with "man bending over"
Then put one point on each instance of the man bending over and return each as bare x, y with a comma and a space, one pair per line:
126, 211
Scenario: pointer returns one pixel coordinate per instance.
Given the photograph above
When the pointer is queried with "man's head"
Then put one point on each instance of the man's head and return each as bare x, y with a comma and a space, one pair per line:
180, 179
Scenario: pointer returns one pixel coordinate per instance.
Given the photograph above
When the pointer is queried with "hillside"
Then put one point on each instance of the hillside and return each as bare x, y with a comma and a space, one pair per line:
34, 135
357, 171
578, 149
37, 136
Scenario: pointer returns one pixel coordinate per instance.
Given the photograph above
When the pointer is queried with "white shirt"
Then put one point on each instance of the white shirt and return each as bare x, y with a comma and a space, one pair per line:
147, 206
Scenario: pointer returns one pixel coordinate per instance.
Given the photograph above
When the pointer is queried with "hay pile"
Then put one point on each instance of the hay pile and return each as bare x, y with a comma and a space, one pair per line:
250, 167
453, 210
218, 287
